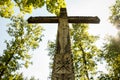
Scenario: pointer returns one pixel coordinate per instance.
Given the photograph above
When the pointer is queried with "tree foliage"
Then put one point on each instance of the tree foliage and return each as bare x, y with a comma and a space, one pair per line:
8, 7
112, 56
84, 51
54, 6
24, 37
105, 77
111, 49
115, 13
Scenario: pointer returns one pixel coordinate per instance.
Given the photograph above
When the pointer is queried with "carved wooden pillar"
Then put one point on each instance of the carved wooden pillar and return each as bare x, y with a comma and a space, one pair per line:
63, 62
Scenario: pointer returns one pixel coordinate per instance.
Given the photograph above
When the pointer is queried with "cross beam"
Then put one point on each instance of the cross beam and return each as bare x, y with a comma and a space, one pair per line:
71, 19
63, 13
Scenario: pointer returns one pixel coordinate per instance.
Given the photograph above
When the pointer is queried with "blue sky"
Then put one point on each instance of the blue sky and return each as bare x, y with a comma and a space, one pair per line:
40, 67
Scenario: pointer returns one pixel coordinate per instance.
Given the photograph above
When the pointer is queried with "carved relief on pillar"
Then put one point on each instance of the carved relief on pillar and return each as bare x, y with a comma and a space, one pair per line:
63, 31
63, 77
63, 67
63, 63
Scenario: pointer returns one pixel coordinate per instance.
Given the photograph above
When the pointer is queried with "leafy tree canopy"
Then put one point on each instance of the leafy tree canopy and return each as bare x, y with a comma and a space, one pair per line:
24, 37
115, 13
84, 51
112, 56
7, 7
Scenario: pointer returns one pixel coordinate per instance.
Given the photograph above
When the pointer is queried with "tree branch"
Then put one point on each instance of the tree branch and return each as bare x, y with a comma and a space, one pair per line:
84, 61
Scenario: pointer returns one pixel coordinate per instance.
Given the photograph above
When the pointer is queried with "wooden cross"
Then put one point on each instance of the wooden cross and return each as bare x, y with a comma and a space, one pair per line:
63, 62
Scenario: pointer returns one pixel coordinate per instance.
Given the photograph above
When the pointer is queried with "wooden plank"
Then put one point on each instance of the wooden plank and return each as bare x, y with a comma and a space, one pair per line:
41, 19
71, 19
83, 19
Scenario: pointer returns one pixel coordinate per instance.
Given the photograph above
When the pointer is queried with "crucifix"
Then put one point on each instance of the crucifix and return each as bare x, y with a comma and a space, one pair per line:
63, 62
